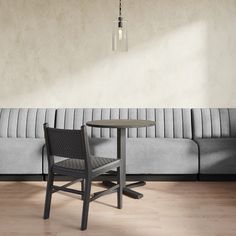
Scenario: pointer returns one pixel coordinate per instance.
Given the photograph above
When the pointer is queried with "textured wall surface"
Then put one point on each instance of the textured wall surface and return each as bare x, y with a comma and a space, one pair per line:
57, 53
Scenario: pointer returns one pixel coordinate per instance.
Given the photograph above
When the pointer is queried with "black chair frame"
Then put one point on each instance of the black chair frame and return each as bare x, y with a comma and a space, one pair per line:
74, 144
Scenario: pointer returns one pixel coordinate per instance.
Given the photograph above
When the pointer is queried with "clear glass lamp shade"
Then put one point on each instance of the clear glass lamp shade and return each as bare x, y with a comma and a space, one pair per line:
119, 36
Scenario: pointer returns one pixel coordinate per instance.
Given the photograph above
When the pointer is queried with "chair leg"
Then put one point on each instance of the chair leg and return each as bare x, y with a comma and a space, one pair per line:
86, 198
120, 189
82, 188
48, 198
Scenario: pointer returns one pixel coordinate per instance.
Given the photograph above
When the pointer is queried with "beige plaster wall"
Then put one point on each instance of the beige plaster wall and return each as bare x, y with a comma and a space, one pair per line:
57, 53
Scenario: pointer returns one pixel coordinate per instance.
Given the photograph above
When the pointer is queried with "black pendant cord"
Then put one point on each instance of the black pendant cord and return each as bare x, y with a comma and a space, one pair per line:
120, 15
120, 7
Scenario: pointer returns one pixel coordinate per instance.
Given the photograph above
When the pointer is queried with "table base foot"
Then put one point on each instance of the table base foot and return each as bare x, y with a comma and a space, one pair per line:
127, 190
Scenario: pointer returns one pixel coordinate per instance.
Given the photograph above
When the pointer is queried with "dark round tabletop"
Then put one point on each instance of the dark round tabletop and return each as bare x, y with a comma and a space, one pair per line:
120, 123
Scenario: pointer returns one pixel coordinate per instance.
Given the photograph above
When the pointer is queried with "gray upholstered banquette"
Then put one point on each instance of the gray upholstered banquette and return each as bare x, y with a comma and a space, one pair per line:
21, 139
184, 141
166, 148
215, 132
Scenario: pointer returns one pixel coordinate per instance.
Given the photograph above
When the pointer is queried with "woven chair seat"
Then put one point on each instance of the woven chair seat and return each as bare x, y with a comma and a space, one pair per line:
78, 164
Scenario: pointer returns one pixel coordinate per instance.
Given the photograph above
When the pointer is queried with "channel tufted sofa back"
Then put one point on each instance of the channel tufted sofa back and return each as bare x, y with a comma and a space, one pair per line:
25, 122
171, 123
214, 123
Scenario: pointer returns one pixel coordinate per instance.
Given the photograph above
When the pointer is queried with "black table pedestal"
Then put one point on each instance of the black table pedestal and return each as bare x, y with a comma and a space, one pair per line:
127, 189
121, 154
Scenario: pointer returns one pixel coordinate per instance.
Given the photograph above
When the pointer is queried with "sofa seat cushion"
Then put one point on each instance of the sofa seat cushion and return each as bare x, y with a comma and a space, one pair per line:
162, 156
150, 155
217, 155
21, 155
153, 155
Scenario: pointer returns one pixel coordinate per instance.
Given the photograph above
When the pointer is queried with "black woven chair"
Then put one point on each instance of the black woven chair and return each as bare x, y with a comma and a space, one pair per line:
73, 145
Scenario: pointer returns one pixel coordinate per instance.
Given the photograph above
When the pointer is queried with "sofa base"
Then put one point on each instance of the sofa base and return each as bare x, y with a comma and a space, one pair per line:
140, 177
217, 177
179, 177
145, 177
152, 177
21, 177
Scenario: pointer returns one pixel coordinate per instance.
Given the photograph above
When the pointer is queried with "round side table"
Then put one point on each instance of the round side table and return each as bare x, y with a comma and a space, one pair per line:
121, 126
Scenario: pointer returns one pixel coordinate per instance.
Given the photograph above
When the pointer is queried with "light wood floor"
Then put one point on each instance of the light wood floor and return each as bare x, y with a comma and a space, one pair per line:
167, 209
